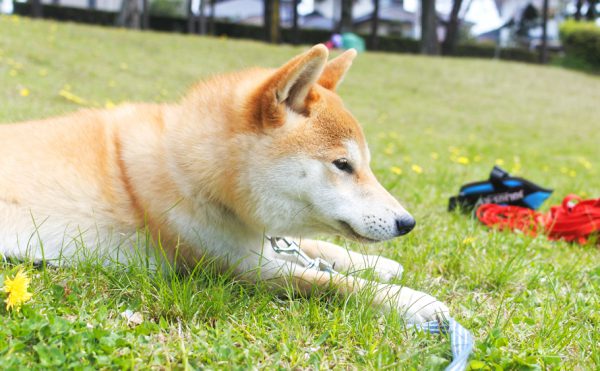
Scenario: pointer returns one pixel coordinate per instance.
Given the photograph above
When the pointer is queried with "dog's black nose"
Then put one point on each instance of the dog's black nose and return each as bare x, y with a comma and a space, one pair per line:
405, 224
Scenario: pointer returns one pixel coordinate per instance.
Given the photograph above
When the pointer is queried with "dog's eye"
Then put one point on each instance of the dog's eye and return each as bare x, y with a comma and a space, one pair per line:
343, 165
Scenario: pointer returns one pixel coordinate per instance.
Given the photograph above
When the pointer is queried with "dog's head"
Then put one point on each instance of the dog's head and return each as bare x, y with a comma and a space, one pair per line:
307, 162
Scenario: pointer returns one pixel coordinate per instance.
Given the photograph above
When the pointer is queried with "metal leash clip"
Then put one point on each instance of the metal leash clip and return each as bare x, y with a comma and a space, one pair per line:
282, 245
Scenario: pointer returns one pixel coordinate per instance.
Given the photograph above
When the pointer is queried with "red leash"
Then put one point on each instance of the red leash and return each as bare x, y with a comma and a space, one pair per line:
574, 220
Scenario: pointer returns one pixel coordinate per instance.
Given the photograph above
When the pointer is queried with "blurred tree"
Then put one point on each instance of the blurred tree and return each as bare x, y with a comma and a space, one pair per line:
452, 28
36, 8
211, 18
429, 41
375, 25
530, 18
169, 8
145, 15
271, 20
544, 45
130, 14
578, 6
196, 16
346, 16
295, 33
202, 17
591, 12
191, 17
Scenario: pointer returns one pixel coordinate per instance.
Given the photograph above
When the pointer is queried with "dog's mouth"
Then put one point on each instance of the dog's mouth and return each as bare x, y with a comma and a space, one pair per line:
349, 231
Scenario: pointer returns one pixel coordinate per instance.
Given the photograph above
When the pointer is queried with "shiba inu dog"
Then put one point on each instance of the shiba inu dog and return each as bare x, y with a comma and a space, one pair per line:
244, 155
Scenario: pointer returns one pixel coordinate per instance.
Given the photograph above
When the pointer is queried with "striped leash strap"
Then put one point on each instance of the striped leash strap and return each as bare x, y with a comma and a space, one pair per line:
461, 341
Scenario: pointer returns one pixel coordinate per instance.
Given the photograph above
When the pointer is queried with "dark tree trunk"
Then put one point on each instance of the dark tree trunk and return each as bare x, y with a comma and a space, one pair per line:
145, 14
544, 45
429, 41
129, 16
591, 13
202, 17
452, 28
346, 16
191, 19
375, 25
295, 33
271, 20
36, 8
267, 18
211, 18
578, 6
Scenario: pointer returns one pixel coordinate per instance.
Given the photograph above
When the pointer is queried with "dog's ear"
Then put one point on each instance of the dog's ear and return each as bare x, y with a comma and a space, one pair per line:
290, 85
334, 71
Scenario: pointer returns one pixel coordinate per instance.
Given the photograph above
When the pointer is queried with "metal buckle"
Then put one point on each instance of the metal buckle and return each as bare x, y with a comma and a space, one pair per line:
292, 248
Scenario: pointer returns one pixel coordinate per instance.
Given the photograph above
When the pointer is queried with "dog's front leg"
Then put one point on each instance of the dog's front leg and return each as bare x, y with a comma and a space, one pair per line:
345, 260
415, 306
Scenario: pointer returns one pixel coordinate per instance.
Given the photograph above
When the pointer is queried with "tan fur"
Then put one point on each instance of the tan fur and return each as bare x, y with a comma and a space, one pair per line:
238, 157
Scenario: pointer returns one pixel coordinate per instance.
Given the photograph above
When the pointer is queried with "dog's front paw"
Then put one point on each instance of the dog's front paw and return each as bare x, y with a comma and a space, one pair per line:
418, 307
385, 269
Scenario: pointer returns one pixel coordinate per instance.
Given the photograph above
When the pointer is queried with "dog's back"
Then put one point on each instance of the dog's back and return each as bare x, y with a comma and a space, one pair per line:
61, 179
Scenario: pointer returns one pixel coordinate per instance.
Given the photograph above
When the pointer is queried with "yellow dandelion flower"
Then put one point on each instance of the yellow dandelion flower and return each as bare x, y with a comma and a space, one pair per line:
572, 173
109, 104
416, 168
16, 289
499, 162
585, 163
12, 73
396, 170
545, 168
469, 240
434, 155
24, 92
389, 150
463, 160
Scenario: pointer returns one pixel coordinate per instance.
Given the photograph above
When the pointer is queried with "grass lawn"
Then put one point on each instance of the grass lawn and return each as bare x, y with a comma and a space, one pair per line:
432, 124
